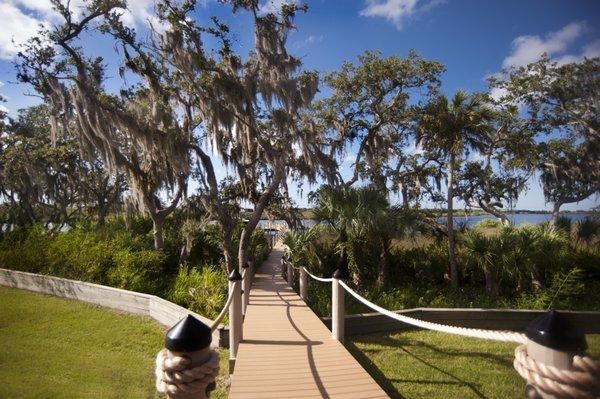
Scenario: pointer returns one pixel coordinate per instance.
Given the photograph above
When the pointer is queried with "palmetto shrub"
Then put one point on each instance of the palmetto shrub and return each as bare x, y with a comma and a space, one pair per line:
203, 290
141, 271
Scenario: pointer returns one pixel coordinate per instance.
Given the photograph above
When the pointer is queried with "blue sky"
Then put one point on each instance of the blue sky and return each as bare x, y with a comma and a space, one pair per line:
473, 38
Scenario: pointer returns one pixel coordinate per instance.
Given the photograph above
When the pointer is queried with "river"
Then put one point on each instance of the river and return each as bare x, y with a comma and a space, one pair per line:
515, 218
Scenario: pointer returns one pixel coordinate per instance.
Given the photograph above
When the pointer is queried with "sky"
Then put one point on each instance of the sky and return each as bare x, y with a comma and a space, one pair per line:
472, 38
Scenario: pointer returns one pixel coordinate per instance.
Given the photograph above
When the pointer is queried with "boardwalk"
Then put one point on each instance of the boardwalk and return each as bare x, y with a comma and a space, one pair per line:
287, 352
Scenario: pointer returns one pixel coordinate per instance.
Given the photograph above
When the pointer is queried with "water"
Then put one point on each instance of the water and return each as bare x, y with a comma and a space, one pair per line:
515, 218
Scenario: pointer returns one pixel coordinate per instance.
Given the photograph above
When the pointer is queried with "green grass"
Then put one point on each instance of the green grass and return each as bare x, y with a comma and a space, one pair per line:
426, 364
58, 348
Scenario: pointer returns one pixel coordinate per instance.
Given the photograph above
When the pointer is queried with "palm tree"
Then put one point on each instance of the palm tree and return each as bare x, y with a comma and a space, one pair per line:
587, 230
337, 206
382, 223
451, 128
299, 246
480, 250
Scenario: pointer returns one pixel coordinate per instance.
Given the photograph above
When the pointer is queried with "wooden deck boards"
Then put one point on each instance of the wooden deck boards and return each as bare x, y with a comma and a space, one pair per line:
287, 352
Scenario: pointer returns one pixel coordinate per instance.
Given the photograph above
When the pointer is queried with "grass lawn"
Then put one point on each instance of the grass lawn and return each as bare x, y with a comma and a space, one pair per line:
427, 364
58, 348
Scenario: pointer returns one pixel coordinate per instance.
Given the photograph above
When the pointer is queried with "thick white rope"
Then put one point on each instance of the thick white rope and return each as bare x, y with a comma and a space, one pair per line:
224, 311
324, 280
173, 375
583, 382
503, 336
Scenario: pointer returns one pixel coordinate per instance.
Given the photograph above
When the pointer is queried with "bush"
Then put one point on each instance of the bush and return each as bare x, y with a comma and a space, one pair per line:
141, 271
203, 290
259, 247
25, 249
78, 255
488, 223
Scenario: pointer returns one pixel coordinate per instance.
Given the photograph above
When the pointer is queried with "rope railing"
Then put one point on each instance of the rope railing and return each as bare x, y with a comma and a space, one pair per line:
324, 280
223, 312
495, 335
581, 378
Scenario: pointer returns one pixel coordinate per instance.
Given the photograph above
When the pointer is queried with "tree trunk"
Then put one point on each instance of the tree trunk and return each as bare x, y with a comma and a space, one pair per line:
383, 276
450, 224
405, 203
102, 211
555, 214
343, 261
495, 212
490, 283
228, 253
256, 214
537, 278
159, 242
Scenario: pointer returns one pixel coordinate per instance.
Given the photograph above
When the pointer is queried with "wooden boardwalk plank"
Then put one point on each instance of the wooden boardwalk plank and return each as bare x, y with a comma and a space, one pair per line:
287, 352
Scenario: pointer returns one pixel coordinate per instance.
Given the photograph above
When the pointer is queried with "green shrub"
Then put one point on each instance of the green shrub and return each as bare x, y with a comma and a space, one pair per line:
25, 249
259, 247
206, 248
78, 255
202, 290
488, 223
141, 271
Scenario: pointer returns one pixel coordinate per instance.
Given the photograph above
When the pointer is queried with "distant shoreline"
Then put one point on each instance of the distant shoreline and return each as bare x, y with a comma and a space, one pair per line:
307, 213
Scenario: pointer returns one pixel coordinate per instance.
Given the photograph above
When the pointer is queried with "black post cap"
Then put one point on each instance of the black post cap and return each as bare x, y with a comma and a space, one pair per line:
234, 275
555, 331
188, 335
340, 273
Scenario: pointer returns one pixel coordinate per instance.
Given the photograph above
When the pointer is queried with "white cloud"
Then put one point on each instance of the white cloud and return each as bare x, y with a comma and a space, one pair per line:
314, 39
22, 18
529, 48
17, 28
397, 11
274, 6
592, 49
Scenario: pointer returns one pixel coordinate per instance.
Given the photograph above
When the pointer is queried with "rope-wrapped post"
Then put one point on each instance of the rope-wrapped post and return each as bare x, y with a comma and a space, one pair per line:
235, 316
246, 283
187, 367
303, 284
290, 274
553, 360
337, 305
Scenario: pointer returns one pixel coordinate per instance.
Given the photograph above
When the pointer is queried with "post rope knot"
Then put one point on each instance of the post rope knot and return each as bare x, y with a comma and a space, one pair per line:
174, 375
582, 382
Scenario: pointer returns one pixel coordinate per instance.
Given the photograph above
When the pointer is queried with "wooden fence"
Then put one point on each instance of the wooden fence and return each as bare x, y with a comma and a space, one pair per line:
161, 310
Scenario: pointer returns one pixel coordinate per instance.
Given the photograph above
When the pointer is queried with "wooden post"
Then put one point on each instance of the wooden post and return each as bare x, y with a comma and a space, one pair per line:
290, 274
303, 284
337, 307
235, 316
247, 282
553, 341
191, 339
